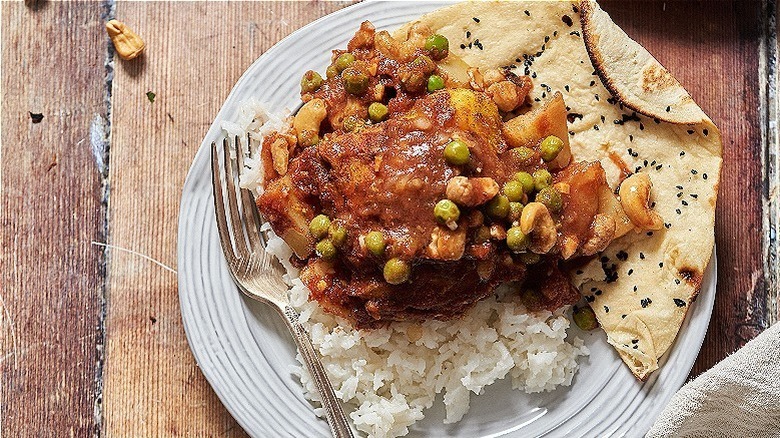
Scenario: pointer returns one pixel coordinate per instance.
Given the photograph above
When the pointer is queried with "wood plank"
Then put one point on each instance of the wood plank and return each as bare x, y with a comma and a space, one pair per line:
195, 53
51, 211
713, 52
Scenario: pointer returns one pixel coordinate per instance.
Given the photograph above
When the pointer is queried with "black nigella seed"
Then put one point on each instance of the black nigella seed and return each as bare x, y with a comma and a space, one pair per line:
596, 127
622, 255
634, 288
657, 121
658, 167
642, 255
590, 298
694, 171
645, 302
602, 119
594, 289
667, 226
606, 309
36, 117
630, 137
566, 19
597, 97
661, 264
592, 83
641, 127
676, 281
679, 187
468, 34
682, 153
679, 303
566, 87
598, 292
678, 211
649, 233
462, 46
475, 19
691, 131
668, 108
684, 202
630, 271
636, 347
623, 316
705, 132
547, 38
694, 196
645, 163
604, 259
704, 175
527, 13
679, 195
579, 272
635, 341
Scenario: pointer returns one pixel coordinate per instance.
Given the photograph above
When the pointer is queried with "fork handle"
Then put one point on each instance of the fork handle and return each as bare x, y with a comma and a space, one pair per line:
333, 410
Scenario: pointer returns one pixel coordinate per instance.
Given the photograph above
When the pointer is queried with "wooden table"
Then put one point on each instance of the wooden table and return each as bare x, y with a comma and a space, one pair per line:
92, 338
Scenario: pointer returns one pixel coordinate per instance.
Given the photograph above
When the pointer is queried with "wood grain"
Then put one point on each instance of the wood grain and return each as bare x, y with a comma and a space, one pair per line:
712, 49
50, 209
195, 53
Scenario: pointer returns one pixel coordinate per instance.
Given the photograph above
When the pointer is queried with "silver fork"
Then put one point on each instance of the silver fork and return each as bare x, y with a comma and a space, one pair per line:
259, 276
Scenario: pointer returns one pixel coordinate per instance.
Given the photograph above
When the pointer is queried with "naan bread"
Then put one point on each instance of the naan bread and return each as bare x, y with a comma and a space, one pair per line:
625, 109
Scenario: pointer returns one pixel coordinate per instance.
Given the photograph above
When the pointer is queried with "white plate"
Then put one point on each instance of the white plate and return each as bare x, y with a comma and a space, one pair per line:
247, 355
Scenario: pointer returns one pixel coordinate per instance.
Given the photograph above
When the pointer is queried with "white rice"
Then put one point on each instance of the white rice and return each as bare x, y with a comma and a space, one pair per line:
389, 376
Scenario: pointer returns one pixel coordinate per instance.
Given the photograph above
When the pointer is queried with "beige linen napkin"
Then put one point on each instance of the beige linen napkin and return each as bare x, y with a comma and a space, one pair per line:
738, 397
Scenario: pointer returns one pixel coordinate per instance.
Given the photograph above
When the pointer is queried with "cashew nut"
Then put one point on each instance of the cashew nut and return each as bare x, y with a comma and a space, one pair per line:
126, 42
635, 199
506, 95
446, 244
307, 122
471, 192
537, 223
280, 155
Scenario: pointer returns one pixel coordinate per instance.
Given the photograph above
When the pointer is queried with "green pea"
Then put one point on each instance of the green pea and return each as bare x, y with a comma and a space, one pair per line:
311, 81
542, 179
331, 71
551, 199
318, 227
353, 123
585, 318
446, 212
355, 81
326, 249
375, 243
515, 211
457, 152
551, 147
337, 234
516, 240
498, 207
530, 258
396, 271
377, 112
435, 82
523, 154
343, 61
513, 190
438, 46
526, 179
